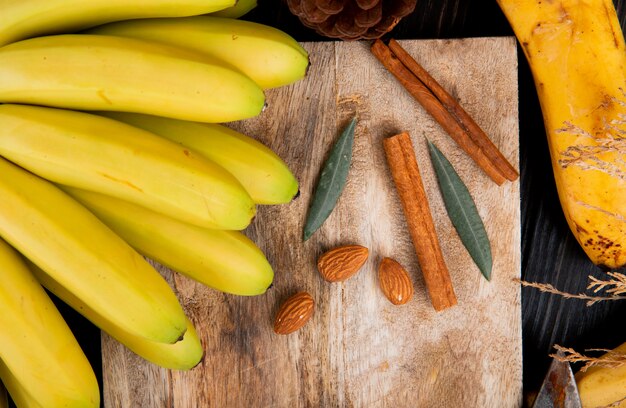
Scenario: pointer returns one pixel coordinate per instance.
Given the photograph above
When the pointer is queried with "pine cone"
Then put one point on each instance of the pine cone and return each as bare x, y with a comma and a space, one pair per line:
351, 19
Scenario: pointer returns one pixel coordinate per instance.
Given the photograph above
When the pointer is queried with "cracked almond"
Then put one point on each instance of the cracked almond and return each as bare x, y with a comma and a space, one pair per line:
294, 313
395, 282
342, 262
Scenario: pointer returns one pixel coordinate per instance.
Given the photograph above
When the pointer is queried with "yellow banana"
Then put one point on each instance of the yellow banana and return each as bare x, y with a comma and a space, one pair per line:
224, 260
603, 386
18, 393
100, 154
95, 72
576, 51
36, 345
263, 174
267, 55
182, 355
27, 18
241, 8
75, 248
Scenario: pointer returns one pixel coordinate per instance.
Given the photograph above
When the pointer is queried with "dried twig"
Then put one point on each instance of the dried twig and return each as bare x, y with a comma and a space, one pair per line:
615, 404
614, 287
609, 359
548, 288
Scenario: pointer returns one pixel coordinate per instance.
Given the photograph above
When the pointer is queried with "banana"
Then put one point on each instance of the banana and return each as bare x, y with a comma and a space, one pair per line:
100, 154
263, 174
603, 386
182, 355
268, 56
36, 345
28, 18
18, 393
95, 72
241, 8
75, 248
224, 260
577, 54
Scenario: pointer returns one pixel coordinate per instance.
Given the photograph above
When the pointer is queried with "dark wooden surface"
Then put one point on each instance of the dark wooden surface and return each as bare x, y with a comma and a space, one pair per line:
549, 252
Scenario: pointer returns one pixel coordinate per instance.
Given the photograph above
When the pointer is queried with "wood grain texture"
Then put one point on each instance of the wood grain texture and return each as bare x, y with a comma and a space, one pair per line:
358, 350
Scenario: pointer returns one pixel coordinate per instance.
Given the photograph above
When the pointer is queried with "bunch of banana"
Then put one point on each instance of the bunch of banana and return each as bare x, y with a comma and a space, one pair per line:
70, 244
148, 173
224, 260
125, 162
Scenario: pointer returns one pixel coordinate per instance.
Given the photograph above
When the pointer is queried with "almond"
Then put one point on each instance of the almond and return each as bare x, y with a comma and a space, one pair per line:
342, 262
294, 313
395, 281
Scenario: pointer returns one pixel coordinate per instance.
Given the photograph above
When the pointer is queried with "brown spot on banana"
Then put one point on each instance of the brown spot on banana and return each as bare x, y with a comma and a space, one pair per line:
125, 182
602, 244
102, 96
580, 229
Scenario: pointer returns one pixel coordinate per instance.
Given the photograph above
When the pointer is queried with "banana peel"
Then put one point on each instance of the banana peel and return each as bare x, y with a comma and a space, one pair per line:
577, 55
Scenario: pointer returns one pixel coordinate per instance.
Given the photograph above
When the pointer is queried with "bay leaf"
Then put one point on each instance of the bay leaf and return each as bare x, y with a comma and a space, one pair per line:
332, 181
462, 211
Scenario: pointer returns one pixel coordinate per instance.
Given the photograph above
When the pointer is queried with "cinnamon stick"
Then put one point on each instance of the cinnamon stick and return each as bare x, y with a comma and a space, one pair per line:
434, 107
474, 131
406, 176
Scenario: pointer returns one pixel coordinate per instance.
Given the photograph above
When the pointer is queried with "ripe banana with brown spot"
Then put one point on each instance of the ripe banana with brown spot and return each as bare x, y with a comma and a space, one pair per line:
74, 247
100, 154
577, 55
97, 72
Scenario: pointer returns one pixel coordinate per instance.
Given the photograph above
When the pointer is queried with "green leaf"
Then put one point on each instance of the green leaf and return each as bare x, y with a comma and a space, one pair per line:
331, 181
462, 211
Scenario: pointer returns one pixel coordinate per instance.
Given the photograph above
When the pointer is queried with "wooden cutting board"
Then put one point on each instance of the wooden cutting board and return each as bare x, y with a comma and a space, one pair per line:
359, 350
